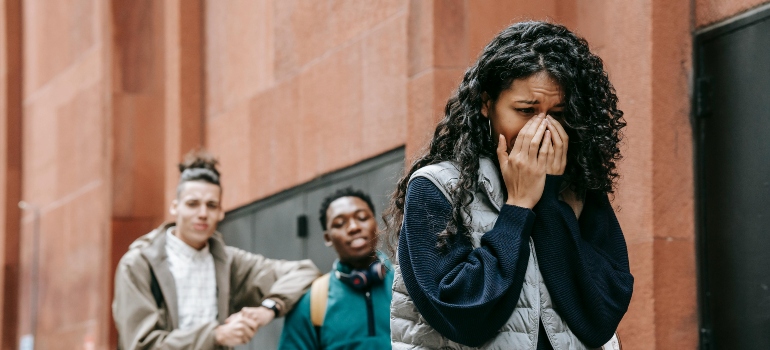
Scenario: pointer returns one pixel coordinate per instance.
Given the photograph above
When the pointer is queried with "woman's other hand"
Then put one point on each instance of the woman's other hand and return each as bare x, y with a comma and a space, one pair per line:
560, 142
524, 168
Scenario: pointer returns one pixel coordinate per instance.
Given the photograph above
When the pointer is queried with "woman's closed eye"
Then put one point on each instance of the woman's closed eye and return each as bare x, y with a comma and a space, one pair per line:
557, 114
529, 110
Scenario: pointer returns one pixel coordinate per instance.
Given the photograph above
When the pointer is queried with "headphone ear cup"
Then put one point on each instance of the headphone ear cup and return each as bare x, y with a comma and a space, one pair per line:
363, 279
381, 271
375, 273
358, 280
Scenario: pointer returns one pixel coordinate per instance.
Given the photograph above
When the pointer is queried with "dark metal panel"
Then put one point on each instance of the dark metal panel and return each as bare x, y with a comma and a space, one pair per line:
237, 231
275, 230
381, 184
734, 184
267, 337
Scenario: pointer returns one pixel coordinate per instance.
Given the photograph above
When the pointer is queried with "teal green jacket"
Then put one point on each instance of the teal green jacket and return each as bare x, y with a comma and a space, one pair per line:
346, 324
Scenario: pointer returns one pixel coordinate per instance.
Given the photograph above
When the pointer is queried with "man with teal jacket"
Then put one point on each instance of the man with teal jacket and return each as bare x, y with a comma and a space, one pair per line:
348, 308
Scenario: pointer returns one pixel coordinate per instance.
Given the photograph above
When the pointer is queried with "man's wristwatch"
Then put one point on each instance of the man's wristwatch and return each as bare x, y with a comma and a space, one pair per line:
272, 305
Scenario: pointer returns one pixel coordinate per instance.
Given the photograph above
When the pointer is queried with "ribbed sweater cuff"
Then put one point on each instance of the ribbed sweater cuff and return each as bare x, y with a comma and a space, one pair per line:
513, 219
552, 187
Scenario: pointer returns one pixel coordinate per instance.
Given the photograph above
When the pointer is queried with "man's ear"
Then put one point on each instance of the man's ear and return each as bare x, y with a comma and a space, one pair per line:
172, 209
221, 215
486, 103
327, 239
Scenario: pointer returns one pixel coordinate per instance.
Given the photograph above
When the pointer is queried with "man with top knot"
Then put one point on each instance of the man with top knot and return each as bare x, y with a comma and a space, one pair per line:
181, 287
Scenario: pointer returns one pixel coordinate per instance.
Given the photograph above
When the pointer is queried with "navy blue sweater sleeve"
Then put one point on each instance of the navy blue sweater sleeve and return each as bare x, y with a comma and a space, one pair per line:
466, 294
584, 262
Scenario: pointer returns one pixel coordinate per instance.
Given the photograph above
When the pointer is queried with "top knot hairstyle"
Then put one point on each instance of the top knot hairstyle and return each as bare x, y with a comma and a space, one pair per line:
591, 116
198, 165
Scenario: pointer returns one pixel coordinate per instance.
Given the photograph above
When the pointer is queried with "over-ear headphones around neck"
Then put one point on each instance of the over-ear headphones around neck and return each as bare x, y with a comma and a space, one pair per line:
362, 280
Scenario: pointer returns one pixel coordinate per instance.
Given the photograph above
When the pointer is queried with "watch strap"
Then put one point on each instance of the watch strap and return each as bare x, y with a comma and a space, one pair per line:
272, 305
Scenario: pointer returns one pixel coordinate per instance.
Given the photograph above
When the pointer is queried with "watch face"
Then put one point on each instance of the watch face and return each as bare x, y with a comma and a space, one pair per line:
268, 303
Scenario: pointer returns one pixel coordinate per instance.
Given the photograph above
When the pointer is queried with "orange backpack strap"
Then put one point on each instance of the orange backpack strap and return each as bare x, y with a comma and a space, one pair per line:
319, 296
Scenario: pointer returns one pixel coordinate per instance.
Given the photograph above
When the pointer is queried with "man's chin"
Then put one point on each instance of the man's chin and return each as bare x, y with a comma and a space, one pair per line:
201, 236
361, 256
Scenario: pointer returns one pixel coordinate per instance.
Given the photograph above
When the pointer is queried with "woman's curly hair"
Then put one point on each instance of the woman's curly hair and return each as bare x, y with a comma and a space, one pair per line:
591, 116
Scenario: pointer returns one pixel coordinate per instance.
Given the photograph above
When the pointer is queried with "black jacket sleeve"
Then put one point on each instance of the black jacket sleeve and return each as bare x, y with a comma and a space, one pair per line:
584, 263
466, 294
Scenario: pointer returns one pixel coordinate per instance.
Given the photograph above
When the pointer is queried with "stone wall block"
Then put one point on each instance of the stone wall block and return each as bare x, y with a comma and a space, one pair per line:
351, 18
228, 138
39, 157
331, 107
275, 139
71, 241
261, 134
80, 142
384, 87
450, 34
712, 11
445, 85
638, 329
286, 62
419, 36
421, 114
58, 33
676, 307
239, 51
137, 37
308, 29
487, 18
673, 149
139, 164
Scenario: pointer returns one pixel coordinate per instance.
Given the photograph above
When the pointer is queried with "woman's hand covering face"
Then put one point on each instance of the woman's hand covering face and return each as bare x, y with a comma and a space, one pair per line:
524, 168
560, 142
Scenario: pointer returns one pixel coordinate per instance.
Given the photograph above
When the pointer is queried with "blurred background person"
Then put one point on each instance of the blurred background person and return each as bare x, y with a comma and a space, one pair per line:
177, 285
348, 308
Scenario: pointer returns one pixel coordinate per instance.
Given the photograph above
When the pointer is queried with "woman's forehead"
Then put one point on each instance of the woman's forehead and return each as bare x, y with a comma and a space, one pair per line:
535, 88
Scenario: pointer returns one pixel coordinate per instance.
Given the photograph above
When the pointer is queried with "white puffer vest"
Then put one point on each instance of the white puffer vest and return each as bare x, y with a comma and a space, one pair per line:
408, 328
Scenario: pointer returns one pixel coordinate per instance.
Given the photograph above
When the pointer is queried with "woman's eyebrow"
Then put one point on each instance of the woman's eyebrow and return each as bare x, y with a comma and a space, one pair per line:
536, 102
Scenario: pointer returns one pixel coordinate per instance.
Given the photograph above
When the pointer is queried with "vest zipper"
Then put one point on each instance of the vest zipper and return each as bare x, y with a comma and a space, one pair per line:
370, 313
540, 301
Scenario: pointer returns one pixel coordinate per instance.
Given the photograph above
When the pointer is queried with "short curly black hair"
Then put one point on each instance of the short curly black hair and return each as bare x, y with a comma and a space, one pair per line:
342, 192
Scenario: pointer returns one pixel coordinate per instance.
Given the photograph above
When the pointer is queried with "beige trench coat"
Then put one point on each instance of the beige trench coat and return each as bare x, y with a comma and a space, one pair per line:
243, 279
